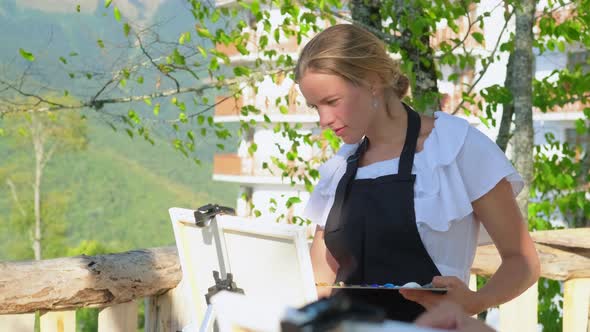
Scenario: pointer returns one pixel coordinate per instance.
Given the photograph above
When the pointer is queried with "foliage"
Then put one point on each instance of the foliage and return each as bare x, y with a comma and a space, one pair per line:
116, 192
170, 80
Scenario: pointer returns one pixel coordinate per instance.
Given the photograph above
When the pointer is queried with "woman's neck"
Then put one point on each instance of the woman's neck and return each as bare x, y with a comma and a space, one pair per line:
388, 128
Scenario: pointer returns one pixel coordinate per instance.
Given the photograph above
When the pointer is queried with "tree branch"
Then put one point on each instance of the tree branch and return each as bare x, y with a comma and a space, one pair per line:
485, 68
12, 187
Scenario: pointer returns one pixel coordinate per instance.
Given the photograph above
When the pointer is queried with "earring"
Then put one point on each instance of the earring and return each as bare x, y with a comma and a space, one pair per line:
375, 103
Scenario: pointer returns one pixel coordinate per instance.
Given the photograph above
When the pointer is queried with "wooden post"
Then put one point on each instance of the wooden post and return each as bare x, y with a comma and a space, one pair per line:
58, 321
576, 300
520, 314
118, 318
168, 312
473, 282
17, 323
473, 285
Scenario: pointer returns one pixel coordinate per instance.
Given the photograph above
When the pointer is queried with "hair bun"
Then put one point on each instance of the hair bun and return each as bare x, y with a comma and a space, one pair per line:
401, 86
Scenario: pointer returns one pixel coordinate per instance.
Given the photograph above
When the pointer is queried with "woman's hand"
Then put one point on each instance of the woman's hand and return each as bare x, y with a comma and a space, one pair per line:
457, 292
450, 316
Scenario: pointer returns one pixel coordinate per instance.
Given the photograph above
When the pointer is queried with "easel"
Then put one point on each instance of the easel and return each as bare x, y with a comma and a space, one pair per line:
205, 216
220, 252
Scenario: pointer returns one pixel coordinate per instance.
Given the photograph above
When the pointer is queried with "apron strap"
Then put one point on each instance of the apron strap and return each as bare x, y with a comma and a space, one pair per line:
352, 164
407, 157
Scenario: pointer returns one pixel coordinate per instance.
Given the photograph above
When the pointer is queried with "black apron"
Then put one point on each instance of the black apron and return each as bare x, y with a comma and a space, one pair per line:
371, 231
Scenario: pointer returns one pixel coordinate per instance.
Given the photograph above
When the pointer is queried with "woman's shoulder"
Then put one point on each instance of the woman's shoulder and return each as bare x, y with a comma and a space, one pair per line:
445, 139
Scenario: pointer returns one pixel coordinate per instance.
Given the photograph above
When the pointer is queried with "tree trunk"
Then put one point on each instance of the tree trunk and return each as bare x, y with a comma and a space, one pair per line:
38, 145
367, 13
425, 88
522, 91
507, 109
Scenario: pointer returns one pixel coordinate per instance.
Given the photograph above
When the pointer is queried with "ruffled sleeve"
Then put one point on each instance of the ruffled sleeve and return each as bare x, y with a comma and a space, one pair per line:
460, 164
322, 198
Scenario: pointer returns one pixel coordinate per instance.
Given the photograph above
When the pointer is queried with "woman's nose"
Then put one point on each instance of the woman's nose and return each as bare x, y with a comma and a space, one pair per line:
326, 119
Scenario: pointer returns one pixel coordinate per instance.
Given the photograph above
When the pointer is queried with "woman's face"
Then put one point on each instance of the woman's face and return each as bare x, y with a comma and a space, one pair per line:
342, 106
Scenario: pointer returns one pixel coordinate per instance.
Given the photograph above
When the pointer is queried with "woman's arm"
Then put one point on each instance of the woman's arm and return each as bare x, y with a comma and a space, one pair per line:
520, 268
499, 213
324, 265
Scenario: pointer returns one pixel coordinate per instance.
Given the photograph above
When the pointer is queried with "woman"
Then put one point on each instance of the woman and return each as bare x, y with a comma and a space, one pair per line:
404, 197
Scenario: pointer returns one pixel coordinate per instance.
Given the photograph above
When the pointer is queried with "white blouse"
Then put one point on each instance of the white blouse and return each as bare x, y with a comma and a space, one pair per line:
457, 165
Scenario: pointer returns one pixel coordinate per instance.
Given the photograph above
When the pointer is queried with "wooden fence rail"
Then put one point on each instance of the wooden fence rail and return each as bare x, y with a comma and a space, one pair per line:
115, 282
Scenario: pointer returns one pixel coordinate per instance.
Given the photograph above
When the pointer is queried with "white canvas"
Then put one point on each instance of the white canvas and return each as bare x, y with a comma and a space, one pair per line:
269, 261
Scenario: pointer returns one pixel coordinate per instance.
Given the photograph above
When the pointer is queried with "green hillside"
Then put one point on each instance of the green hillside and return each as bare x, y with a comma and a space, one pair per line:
117, 191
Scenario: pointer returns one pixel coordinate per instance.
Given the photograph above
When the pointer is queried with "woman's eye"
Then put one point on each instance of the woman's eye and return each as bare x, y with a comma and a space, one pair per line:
332, 102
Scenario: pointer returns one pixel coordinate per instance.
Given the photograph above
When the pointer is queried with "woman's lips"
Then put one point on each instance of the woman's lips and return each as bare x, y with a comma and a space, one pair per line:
339, 131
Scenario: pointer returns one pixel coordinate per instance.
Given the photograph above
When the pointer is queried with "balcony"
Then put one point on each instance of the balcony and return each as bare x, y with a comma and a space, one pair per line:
284, 46
115, 283
230, 167
228, 109
446, 34
225, 106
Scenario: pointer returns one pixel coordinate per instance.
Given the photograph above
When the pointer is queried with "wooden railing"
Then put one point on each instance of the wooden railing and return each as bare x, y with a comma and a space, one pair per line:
115, 283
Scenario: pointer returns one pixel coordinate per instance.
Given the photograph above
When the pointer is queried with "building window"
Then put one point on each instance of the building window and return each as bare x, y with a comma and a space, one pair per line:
579, 58
579, 143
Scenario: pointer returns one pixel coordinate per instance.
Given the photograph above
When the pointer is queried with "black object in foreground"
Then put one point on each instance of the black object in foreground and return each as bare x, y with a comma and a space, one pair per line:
327, 313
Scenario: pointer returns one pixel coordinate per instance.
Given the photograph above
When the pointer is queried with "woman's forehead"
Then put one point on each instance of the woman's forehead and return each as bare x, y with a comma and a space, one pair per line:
318, 85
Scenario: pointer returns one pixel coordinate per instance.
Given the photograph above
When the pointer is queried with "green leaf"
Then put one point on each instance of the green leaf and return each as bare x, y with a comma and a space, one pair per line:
117, 14
100, 43
561, 46
478, 36
185, 37
126, 29
178, 58
140, 80
453, 77
253, 147
215, 16
107, 3
202, 51
580, 127
202, 32
242, 71
73, 54
63, 60
28, 56
78, 8
148, 101
263, 42
292, 200
157, 109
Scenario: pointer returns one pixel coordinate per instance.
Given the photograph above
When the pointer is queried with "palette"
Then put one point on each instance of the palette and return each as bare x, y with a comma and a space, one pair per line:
409, 285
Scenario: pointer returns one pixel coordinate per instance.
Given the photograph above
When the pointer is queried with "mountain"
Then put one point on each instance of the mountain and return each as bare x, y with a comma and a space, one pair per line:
118, 190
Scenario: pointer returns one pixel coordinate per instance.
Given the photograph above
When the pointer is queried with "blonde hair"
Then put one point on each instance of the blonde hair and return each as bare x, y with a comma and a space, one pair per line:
351, 52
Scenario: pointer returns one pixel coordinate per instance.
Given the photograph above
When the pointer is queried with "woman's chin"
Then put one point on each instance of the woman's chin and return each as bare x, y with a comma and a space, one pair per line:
350, 140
